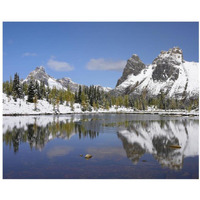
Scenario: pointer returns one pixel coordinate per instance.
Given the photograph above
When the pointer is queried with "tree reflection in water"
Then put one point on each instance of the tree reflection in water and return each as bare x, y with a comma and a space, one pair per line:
39, 135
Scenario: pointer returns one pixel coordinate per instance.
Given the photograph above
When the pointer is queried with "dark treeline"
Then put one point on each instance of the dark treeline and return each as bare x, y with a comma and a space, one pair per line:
90, 97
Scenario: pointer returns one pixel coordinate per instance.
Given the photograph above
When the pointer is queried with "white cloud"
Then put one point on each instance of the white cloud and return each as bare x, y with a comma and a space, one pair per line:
28, 54
102, 64
59, 66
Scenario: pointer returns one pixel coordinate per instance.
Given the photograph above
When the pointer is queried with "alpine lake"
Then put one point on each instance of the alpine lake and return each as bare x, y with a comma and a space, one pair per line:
122, 146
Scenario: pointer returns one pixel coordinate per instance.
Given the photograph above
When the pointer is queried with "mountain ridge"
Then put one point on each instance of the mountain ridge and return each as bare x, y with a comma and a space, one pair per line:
40, 74
169, 73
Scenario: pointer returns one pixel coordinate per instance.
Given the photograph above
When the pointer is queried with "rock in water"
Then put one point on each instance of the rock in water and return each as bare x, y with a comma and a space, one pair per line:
88, 156
175, 146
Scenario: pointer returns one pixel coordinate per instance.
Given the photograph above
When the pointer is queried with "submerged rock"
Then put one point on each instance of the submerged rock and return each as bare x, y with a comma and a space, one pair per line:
88, 156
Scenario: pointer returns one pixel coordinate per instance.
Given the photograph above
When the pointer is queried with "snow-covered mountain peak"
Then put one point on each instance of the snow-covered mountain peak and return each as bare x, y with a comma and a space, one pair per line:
168, 73
37, 74
40, 75
40, 68
173, 56
68, 83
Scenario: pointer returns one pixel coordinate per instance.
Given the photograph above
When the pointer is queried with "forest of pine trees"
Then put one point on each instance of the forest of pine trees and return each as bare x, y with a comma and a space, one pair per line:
90, 97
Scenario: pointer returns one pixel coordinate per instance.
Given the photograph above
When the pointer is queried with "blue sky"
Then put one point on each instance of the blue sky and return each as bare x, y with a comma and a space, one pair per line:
91, 52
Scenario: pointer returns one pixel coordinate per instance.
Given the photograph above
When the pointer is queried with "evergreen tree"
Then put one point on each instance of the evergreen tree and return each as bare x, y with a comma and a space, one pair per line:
98, 95
31, 92
61, 95
113, 100
6, 88
126, 101
161, 103
25, 88
53, 95
120, 100
42, 90
84, 101
17, 88
47, 93
58, 103
10, 86
107, 105
16, 83
116, 103
72, 102
172, 104
97, 105
79, 94
76, 97
143, 99
37, 90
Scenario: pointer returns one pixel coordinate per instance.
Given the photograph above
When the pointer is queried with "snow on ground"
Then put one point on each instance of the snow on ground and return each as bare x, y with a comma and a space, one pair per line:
21, 107
43, 107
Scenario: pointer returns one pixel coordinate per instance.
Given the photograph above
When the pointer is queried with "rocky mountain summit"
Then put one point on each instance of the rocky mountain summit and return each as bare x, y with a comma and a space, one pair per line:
169, 73
134, 66
40, 75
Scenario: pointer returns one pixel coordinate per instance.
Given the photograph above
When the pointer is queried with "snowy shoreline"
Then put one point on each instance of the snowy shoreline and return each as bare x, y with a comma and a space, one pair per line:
164, 113
23, 108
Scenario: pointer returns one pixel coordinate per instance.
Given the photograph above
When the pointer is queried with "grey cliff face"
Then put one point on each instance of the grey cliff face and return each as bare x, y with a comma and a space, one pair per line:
134, 66
164, 71
164, 65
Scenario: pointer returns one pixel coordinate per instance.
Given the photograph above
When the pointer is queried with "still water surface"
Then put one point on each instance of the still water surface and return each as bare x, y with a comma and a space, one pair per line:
123, 146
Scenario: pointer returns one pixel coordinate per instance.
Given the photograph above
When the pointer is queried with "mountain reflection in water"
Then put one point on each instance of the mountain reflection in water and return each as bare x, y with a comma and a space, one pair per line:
155, 138
138, 136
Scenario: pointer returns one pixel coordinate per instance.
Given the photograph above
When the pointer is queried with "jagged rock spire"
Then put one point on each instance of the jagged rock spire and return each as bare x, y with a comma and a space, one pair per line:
134, 66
